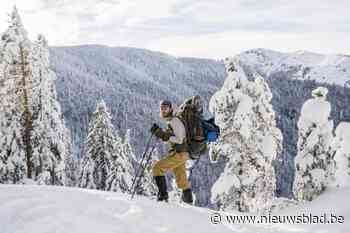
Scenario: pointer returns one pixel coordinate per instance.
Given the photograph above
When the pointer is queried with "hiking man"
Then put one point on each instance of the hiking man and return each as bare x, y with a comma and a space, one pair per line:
175, 160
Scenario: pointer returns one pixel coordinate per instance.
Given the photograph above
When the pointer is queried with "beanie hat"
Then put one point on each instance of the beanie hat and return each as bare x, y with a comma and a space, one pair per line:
165, 103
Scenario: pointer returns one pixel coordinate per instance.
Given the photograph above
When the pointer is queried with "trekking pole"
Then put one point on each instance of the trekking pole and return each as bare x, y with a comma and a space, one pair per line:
143, 157
143, 171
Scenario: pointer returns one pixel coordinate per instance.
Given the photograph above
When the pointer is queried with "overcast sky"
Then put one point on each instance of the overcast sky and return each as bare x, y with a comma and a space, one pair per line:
196, 28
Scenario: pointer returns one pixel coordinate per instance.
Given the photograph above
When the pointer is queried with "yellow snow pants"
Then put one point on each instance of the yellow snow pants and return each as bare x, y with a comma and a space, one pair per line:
175, 162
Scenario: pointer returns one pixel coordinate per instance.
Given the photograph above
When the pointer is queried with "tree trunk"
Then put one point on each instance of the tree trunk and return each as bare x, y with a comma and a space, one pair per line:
27, 115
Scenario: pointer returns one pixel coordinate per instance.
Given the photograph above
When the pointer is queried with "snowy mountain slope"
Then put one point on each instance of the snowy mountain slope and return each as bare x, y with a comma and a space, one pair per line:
332, 201
128, 79
39, 209
301, 65
291, 78
329, 203
132, 81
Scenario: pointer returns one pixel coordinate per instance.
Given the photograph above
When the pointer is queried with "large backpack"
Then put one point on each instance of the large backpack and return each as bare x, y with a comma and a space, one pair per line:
198, 130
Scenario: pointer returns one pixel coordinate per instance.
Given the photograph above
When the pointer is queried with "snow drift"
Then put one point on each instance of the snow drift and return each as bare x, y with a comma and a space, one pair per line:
39, 209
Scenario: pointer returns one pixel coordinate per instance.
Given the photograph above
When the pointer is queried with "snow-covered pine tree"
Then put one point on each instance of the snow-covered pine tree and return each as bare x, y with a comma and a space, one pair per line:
54, 147
127, 148
13, 151
341, 146
122, 171
249, 140
314, 164
71, 171
99, 150
107, 159
34, 140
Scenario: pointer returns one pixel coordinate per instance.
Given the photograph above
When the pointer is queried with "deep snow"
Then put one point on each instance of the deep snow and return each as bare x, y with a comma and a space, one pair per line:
39, 209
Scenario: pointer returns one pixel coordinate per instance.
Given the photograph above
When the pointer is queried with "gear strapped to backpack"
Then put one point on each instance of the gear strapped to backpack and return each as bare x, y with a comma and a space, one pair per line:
198, 130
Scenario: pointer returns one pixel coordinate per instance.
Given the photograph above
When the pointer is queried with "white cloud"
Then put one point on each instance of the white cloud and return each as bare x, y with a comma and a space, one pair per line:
189, 27
220, 45
58, 30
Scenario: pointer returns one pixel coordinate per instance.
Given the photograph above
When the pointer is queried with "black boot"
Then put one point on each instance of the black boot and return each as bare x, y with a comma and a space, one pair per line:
187, 196
162, 189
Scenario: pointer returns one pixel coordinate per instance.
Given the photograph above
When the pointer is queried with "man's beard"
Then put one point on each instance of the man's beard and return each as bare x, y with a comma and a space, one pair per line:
166, 115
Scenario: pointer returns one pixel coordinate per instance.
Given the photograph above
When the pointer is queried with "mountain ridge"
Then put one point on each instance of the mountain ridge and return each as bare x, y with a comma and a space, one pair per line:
133, 81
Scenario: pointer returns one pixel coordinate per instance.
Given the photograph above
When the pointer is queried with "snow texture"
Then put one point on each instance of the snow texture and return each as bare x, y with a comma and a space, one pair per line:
302, 65
34, 141
132, 81
34, 209
314, 162
41, 209
249, 140
341, 145
107, 163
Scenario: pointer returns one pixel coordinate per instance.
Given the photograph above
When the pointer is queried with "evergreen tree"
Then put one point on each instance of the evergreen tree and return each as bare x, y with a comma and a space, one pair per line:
13, 149
107, 160
99, 150
33, 137
249, 140
126, 147
71, 171
341, 146
122, 171
314, 163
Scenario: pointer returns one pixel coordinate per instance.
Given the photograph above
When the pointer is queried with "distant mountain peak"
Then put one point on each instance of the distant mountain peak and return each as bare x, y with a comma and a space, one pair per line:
301, 64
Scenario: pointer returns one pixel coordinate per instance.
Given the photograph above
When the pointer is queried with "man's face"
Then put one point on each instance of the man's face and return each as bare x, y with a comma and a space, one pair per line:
164, 111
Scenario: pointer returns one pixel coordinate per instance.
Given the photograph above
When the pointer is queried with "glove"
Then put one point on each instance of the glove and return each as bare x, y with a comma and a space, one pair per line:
158, 132
154, 128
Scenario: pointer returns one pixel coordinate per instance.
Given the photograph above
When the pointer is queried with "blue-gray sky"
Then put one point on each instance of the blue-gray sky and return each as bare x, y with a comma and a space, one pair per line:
196, 28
